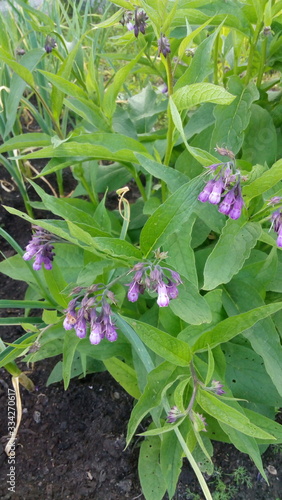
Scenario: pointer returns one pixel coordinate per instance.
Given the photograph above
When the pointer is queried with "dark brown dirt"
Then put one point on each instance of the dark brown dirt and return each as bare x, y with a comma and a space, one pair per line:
71, 444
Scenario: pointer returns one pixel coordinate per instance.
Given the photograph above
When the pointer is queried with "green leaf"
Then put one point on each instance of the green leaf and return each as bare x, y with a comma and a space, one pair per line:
173, 178
102, 146
20, 320
56, 285
50, 317
136, 343
64, 85
191, 333
260, 143
14, 268
171, 349
201, 65
266, 424
70, 344
203, 157
246, 444
18, 68
57, 94
149, 469
181, 255
190, 306
247, 377
266, 181
124, 375
17, 86
24, 304
171, 461
158, 380
228, 415
109, 102
232, 249
24, 141
263, 337
185, 43
231, 121
10, 353
198, 93
230, 327
166, 219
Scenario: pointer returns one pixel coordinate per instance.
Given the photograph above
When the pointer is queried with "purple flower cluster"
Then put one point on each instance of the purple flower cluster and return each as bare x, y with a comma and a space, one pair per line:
216, 387
163, 45
276, 219
153, 278
50, 44
40, 247
140, 18
82, 312
224, 189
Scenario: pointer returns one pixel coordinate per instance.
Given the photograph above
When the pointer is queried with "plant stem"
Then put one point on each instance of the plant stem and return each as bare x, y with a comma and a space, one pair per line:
193, 464
252, 52
262, 62
140, 187
170, 127
215, 60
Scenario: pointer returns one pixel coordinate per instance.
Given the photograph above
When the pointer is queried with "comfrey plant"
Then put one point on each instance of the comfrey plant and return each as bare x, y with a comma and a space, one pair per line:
82, 311
153, 278
186, 338
224, 188
41, 248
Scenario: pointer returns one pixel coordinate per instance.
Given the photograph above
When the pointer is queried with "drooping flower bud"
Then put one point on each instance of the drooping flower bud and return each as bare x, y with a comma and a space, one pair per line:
50, 44
163, 45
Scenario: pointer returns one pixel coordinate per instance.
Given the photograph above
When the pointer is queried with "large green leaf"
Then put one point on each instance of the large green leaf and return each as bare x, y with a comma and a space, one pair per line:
201, 65
246, 444
260, 144
23, 141
171, 349
173, 178
231, 121
171, 460
232, 249
11, 352
198, 93
230, 327
17, 86
180, 254
228, 415
124, 375
158, 380
109, 102
263, 337
70, 344
190, 306
150, 473
246, 376
170, 215
266, 181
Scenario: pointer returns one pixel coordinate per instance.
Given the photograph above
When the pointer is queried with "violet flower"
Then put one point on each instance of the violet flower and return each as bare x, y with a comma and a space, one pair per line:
140, 18
82, 312
163, 45
174, 414
40, 247
50, 44
154, 278
224, 188
276, 219
216, 387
